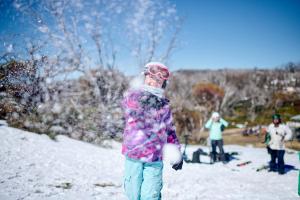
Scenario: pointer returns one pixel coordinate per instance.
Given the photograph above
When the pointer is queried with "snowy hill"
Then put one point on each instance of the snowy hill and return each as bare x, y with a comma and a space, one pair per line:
35, 167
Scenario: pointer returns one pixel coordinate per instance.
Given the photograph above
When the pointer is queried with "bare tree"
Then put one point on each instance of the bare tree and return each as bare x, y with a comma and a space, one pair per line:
78, 38
153, 30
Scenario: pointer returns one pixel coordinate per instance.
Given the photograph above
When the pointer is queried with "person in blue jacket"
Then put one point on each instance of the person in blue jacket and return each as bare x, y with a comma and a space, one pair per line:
216, 126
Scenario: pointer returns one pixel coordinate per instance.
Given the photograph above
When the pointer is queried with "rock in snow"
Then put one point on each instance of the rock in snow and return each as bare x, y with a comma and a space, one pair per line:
33, 166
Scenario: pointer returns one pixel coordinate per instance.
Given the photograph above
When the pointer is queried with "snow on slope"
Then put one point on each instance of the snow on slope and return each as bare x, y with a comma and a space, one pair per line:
35, 167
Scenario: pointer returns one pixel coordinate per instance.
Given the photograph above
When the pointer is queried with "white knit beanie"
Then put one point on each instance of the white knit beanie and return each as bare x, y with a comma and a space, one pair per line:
215, 115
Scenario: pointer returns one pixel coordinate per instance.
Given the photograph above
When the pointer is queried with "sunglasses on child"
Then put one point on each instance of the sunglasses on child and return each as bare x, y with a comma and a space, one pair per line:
156, 70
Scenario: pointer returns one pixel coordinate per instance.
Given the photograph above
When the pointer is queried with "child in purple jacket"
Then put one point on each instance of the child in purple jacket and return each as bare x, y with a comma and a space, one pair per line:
149, 126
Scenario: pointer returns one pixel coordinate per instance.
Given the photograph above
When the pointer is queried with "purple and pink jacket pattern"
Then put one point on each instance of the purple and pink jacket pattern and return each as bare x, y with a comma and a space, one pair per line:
149, 125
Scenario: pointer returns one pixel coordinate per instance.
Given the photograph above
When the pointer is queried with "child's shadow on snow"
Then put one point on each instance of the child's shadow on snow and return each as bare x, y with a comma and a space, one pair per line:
288, 168
231, 156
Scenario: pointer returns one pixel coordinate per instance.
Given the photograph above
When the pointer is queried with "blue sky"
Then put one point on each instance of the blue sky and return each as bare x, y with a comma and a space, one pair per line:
238, 33
218, 33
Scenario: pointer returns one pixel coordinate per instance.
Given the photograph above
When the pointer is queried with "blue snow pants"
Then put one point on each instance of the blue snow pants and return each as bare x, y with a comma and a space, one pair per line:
142, 180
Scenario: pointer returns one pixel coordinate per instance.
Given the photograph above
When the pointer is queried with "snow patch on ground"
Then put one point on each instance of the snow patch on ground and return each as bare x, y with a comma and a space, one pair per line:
33, 166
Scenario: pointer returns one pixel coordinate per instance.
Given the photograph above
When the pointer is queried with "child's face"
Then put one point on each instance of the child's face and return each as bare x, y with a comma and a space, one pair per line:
276, 121
154, 81
216, 119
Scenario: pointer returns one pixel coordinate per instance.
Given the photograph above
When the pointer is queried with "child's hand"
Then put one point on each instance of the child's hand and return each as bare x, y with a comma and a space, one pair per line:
178, 166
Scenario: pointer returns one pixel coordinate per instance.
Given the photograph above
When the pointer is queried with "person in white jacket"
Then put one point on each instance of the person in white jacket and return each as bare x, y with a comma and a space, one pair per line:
279, 133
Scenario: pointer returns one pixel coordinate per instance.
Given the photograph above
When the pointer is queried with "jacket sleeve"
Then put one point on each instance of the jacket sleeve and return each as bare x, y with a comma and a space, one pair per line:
223, 122
129, 102
288, 133
170, 129
208, 124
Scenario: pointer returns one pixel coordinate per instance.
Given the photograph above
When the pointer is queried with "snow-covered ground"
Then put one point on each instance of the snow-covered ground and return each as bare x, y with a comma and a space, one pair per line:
33, 166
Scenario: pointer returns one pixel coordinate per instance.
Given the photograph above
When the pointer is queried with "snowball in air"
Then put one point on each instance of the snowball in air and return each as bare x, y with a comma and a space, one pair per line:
137, 82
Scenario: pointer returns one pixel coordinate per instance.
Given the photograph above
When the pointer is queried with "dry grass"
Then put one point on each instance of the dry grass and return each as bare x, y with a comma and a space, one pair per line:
293, 145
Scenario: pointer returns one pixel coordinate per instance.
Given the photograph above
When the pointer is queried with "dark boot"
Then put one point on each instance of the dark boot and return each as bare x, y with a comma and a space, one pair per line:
213, 156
